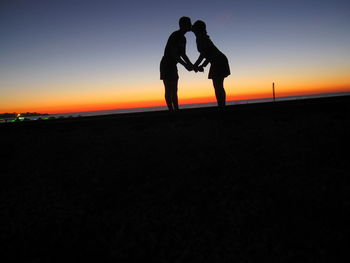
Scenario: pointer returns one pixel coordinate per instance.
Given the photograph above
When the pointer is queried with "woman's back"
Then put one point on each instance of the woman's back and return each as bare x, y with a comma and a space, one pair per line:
207, 48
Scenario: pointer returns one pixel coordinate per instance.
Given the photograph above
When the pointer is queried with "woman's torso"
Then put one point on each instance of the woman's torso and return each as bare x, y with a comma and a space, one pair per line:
207, 48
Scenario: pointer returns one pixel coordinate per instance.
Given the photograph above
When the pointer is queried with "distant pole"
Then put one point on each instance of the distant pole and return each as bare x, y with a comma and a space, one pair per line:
273, 91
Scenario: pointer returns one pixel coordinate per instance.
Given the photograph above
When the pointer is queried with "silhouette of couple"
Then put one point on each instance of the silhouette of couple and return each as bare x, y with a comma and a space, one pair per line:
175, 52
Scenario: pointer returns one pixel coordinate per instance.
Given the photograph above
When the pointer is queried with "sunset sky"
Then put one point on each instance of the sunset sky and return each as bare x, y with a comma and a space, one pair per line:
78, 55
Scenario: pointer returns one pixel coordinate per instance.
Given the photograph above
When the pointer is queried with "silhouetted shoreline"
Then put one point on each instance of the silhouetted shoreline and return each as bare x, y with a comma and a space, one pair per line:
253, 182
38, 116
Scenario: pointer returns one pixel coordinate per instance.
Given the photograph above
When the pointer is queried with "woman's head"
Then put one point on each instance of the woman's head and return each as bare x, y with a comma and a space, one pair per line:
199, 27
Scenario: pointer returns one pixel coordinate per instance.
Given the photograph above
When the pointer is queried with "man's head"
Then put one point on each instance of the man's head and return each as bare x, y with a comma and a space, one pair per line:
185, 23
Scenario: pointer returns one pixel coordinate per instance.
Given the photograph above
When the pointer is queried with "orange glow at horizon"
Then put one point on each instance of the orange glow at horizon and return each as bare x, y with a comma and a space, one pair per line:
104, 95
157, 99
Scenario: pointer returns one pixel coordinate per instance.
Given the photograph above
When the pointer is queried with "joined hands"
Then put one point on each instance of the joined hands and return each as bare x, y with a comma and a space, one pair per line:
194, 68
198, 69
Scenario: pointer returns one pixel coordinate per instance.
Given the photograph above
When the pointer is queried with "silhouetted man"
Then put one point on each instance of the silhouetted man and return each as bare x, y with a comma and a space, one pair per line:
175, 52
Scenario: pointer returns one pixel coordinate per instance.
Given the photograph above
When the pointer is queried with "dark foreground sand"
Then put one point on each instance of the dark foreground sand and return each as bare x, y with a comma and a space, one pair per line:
255, 183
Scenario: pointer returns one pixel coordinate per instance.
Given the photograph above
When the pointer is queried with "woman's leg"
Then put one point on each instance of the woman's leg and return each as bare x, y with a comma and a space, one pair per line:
220, 91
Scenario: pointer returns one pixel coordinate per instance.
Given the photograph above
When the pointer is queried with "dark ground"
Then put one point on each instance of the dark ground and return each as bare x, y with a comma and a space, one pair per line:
255, 183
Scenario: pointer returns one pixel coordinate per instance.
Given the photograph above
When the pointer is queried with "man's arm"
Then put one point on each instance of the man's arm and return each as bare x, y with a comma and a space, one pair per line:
185, 61
183, 57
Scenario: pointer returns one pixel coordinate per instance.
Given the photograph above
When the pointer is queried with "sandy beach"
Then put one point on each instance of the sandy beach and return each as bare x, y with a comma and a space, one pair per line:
258, 182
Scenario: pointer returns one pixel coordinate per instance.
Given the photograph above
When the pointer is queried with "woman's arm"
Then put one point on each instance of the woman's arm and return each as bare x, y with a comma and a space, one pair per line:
205, 63
199, 60
204, 48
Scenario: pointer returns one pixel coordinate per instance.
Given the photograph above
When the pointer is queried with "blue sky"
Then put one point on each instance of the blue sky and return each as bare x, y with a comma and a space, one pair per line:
66, 48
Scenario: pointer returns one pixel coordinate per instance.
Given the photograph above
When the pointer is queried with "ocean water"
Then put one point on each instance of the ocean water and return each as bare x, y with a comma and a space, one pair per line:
196, 105
183, 106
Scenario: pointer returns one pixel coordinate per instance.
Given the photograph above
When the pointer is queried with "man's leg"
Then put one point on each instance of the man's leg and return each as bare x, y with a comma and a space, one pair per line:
168, 94
174, 95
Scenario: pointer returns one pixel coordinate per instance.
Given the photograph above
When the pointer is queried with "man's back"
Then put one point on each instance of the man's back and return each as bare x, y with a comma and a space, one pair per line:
176, 45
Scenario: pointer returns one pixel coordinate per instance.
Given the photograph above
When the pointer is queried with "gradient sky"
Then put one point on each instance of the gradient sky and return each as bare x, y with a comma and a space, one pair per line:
79, 55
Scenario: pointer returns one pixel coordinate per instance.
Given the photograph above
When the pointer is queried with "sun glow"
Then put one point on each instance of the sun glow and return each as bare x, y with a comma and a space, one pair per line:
153, 95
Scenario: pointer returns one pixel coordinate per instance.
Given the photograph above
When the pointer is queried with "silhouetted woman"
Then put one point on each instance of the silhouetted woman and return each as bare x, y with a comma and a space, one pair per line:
175, 52
219, 68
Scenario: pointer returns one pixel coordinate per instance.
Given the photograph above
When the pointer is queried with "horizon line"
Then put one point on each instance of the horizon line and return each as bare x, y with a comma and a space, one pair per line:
195, 101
